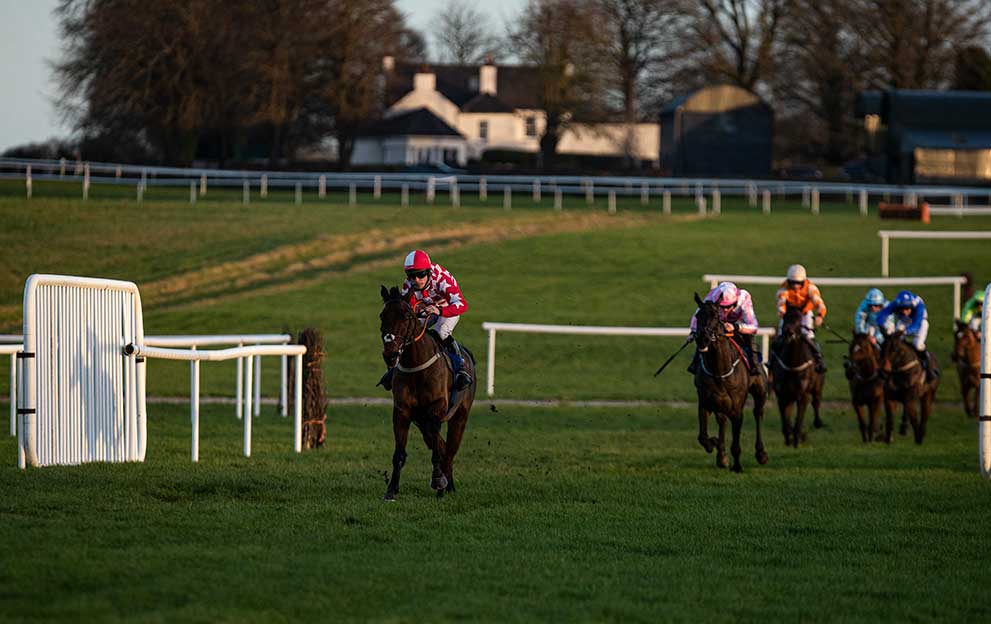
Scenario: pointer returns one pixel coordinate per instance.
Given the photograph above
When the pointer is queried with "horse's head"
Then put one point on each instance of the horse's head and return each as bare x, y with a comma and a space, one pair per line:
965, 342
863, 354
708, 327
398, 324
894, 351
791, 323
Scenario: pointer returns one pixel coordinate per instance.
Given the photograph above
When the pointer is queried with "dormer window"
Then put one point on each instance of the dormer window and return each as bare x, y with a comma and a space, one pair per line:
483, 130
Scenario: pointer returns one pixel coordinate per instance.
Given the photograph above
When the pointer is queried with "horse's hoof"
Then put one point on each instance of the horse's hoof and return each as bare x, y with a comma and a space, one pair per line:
389, 497
738, 468
722, 461
817, 424
762, 457
438, 483
440, 493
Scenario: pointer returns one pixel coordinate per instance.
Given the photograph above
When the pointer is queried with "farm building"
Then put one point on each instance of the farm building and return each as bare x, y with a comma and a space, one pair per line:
720, 130
933, 136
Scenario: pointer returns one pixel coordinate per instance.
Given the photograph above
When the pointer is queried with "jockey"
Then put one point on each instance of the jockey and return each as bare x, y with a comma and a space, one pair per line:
433, 286
972, 311
798, 292
910, 316
736, 311
865, 319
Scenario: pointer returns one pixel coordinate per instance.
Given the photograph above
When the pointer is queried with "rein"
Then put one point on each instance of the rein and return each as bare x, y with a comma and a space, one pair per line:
792, 369
710, 373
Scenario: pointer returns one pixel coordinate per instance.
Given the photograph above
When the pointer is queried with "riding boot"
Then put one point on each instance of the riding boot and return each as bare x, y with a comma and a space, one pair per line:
924, 360
461, 377
817, 355
694, 366
386, 381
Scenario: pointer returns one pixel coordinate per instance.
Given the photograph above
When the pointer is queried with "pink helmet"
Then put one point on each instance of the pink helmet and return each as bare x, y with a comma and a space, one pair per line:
729, 294
417, 260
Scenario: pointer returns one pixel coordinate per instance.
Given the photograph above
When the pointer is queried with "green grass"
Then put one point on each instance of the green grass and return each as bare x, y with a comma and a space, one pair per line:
561, 515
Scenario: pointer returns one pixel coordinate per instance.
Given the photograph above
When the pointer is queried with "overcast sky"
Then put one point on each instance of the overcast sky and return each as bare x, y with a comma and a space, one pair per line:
28, 39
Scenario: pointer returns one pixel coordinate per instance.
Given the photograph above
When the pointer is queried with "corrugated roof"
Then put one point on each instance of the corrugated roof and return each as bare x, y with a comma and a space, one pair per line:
715, 99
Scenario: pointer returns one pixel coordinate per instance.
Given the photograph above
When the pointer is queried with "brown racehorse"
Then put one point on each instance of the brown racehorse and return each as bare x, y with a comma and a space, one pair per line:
796, 381
722, 383
967, 357
421, 391
863, 372
905, 383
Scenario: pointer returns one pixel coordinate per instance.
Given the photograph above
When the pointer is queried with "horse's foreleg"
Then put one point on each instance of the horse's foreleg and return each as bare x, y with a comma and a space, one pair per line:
910, 413
722, 461
926, 406
816, 403
784, 406
865, 435
874, 409
434, 441
799, 436
455, 431
889, 419
903, 427
707, 443
737, 423
400, 430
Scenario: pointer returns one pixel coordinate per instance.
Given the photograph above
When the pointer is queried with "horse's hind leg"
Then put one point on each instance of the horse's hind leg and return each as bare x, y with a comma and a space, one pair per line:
926, 404
455, 431
865, 435
737, 424
400, 429
784, 406
798, 436
816, 402
889, 419
434, 441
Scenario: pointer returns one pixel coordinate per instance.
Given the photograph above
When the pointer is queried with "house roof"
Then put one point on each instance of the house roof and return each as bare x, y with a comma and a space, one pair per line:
945, 139
938, 110
485, 103
516, 86
417, 122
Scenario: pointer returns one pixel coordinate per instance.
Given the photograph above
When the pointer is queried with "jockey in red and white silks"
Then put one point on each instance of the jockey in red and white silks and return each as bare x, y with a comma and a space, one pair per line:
736, 311
432, 290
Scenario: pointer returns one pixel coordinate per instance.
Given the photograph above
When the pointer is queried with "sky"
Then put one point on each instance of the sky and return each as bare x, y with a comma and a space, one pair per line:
29, 41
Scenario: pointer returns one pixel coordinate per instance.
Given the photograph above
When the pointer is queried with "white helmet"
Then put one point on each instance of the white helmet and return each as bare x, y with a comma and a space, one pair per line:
796, 273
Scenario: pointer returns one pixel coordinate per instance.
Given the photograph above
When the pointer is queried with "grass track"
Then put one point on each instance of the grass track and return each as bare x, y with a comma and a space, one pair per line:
561, 515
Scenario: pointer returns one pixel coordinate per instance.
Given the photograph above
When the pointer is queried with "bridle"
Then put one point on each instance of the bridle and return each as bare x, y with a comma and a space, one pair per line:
791, 336
972, 339
711, 337
871, 358
409, 337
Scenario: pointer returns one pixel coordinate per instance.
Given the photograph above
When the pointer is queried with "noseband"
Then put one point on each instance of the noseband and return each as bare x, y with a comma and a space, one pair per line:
408, 338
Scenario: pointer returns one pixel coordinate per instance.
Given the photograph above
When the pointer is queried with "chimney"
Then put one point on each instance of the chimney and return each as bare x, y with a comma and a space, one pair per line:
424, 81
388, 63
487, 77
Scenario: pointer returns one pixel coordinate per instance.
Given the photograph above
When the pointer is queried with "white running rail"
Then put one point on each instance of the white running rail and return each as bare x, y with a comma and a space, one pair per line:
984, 424
587, 330
957, 281
887, 235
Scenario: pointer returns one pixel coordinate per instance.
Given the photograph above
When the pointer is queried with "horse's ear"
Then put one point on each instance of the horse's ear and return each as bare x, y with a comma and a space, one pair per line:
960, 324
698, 300
394, 293
385, 293
854, 332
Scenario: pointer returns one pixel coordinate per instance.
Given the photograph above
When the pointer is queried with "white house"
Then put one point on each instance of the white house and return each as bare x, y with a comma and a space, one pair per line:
454, 113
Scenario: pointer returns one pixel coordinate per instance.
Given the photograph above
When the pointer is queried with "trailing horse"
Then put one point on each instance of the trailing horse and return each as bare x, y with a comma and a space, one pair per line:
863, 373
906, 383
967, 357
722, 382
423, 391
795, 379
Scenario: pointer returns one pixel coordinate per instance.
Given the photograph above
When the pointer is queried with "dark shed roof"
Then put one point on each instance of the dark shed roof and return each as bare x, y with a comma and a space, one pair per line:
516, 86
418, 122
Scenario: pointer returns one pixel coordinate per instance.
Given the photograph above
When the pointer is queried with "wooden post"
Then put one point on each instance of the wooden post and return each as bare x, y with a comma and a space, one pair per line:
863, 202
322, 187
61, 167
666, 202
352, 194
27, 182
700, 202
455, 195
264, 187
767, 201
590, 193
483, 190
203, 184
117, 172
246, 193
536, 191
431, 190
644, 194
717, 202
377, 188
806, 199
507, 197
612, 202
558, 204
404, 196
298, 199
815, 201
192, 192
86, 182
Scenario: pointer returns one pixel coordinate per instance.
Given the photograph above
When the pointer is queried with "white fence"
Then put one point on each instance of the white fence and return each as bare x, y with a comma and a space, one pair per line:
200, 180
587, 330
887, 235
984, 423
951, 280
82, 372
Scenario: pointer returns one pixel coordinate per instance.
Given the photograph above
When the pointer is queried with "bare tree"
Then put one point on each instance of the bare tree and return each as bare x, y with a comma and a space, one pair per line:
559, 38
736, 39
912, 44
639, 38
461, 35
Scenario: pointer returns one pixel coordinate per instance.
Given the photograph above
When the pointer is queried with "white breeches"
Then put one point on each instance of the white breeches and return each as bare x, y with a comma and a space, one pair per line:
919, 339
445, 325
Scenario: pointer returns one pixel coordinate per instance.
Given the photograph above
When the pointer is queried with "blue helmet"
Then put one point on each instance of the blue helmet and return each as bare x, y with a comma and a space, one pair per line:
874, 297
905, 299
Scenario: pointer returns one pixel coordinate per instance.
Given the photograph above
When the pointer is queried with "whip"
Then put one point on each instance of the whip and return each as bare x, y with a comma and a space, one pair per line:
688, 341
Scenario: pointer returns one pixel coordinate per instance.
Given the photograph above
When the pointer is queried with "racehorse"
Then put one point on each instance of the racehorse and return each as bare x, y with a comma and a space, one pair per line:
905, 383
422, 391
722, 382
863, 372
796, 380
967, 357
